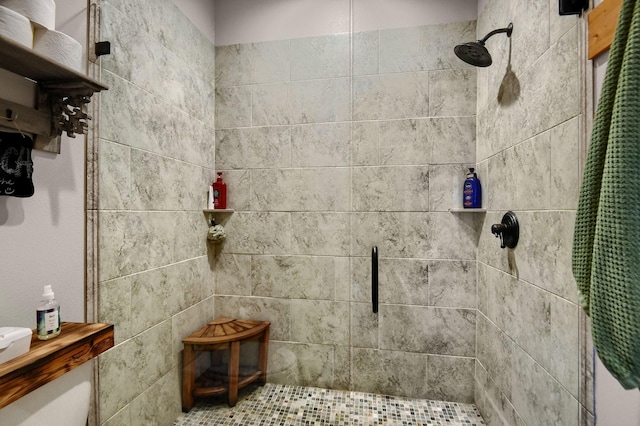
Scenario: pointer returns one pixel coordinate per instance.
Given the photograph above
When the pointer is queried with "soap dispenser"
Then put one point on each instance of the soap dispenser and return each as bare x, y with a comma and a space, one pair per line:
219, 193
472, 191
48, 315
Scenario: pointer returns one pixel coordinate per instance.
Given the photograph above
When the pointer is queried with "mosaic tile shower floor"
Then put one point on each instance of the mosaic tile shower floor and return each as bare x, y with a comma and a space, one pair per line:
285, 405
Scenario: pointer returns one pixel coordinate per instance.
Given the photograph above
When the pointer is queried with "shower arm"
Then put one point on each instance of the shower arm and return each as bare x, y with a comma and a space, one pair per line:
508, 30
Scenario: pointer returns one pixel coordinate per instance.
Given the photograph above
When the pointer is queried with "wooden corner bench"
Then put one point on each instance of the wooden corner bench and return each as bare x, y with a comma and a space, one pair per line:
222, 334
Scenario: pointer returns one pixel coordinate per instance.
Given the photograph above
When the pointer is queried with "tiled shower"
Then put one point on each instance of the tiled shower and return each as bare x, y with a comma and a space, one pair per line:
331, 145
323, 177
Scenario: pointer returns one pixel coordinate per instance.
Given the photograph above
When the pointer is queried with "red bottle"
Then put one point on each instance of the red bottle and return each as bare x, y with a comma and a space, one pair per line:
219, 193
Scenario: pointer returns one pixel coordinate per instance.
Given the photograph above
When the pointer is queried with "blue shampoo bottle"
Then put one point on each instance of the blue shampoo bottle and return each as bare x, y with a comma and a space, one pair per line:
472, 191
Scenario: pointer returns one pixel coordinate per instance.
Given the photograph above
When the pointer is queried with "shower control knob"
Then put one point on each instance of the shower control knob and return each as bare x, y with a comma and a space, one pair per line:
508, 230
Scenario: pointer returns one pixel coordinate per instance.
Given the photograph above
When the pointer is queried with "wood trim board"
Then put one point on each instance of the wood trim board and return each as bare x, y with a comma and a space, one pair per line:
602, 26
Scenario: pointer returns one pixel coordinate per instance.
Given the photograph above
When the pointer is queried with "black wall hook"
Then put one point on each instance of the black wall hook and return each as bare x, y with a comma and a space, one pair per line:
508, 230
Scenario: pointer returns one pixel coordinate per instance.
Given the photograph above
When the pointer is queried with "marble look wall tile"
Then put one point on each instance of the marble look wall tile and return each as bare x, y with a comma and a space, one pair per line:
270, 105
129, 368
277, 311
366, 57
115, 307
541, 86
494, 131
428, 330
233, 274
134, 117
404, 95
501, 181
565, 160
234, 65
365, 150
482, 277
115, 387
552, 336
255, 147
404, 142
538, 397
158, 19
160, 403
320, 101
441, 140
184, 323
445, 186
401, 281
258, 233
190, 238
320, 145
301, 189
544, 252
341, 367
233, 107
559, 24
389, 372
428, 47
495, 407
114, 176
411, 235
300, 364
293, 277
161, 293
531, 30
320, 321
531, 160
450, 378
546, 326
238, 190
253, 63
502, 301
452, 92
160, 183
489, 251
320, 57
453, 139
452, 284
320, 234
495, 352
364, 326
134, 242
390, 188
145, 62
314, 101
121, 418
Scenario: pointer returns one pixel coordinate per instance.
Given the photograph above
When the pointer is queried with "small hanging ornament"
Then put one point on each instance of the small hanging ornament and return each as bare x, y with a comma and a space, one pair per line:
216, 233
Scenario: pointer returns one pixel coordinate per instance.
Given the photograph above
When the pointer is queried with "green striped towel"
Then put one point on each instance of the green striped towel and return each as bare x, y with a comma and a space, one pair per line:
606, 250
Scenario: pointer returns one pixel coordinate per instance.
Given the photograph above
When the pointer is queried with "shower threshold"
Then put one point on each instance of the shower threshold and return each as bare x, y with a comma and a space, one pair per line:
275, 404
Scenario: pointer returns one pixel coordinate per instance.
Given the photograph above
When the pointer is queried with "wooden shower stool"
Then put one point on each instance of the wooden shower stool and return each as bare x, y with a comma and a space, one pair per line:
222, 334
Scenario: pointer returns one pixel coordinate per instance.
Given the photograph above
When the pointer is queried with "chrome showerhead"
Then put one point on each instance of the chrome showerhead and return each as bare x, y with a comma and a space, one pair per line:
475, 53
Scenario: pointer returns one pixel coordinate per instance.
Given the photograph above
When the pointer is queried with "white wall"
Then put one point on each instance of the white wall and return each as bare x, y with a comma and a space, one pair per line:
245, 21
43, 236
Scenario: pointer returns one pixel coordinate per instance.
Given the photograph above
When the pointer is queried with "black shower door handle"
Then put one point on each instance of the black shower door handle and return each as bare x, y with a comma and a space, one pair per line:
374, 279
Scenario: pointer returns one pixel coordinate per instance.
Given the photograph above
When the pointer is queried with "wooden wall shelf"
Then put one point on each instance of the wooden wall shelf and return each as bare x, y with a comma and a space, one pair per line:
62, 96
49, 359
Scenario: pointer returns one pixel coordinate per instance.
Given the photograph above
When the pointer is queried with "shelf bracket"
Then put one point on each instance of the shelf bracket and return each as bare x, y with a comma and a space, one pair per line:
69, 114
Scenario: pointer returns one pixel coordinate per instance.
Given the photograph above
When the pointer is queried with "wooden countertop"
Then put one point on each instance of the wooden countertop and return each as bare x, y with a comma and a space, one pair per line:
49, 359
